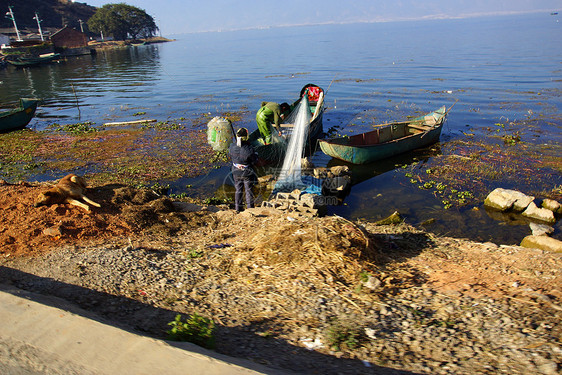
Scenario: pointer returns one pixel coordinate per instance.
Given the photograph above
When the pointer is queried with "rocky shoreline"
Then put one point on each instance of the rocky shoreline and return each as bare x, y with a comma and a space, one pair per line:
523, 207
320, 295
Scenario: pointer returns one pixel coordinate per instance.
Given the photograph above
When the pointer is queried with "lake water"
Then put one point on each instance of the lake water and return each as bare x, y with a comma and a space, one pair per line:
498, 68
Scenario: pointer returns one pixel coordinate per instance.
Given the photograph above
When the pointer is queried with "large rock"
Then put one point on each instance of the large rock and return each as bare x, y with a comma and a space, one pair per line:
522, 202
340, 170
395, 218
552, 205
540, 229
505, 199
542, 242
542, 214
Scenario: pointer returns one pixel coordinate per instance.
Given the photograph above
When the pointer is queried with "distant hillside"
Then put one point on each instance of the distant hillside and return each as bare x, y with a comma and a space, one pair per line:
53, 13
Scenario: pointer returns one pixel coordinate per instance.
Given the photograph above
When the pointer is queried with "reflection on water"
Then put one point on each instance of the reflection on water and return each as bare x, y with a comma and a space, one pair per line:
81, 88
363, 172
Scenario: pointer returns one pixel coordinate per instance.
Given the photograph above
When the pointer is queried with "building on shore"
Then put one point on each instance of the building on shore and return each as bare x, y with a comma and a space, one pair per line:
70, 42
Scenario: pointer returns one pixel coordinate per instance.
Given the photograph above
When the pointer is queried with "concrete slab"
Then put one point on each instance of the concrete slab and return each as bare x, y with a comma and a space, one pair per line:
37, 338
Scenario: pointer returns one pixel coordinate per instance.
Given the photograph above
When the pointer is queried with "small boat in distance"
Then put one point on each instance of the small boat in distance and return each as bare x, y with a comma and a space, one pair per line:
18, 118
387, 140
22, 61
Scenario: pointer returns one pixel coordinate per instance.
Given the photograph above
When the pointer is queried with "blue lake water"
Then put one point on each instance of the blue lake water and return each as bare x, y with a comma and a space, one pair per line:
498, 68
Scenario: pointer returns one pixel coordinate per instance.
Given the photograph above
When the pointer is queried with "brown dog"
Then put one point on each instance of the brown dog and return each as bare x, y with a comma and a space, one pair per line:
68, 190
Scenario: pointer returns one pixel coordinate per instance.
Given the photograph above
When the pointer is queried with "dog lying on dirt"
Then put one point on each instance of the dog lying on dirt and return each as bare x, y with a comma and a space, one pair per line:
68, 190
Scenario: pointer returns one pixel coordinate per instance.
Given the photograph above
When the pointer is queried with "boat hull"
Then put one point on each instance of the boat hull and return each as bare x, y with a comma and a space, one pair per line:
18, 118
386, 141
22, 62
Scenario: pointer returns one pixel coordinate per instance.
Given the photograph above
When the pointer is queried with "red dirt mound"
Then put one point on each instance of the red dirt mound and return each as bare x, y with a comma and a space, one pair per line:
28, 230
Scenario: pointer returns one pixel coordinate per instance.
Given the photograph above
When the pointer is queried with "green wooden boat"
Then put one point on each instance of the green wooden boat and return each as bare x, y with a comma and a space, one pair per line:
387, 140
274, 152
18, 118
22, 62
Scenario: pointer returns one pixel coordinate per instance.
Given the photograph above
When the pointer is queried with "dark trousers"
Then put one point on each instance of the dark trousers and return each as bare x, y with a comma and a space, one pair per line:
241, 184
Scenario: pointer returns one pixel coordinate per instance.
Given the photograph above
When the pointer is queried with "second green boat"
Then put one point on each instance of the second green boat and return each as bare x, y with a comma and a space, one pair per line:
387, 140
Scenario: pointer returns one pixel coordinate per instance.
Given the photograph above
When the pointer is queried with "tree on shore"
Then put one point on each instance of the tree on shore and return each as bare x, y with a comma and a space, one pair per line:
122, 21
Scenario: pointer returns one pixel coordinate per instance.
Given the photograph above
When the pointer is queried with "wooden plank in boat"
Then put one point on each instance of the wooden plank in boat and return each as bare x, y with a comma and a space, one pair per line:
419, 127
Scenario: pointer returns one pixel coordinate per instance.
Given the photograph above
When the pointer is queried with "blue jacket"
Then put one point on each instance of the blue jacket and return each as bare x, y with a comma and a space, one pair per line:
243, 160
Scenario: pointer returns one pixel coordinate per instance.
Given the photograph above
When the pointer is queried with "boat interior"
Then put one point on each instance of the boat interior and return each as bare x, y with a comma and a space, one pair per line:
391, 132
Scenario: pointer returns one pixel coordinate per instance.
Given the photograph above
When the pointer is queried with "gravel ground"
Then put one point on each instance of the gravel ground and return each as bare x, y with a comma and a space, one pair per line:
397, 320
311, 296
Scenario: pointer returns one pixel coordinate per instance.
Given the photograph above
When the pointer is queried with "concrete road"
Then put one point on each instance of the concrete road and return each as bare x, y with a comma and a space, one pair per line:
39, 336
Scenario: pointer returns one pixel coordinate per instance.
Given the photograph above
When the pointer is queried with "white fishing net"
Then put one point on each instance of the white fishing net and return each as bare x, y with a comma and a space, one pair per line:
290, 174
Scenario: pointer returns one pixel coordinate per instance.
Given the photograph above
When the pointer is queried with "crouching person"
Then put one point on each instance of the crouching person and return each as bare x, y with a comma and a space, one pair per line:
243, 158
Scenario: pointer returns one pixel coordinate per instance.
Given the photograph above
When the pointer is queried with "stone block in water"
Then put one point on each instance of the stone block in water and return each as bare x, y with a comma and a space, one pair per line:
505, 199
540, 229
541, 214
543, 243
552, 205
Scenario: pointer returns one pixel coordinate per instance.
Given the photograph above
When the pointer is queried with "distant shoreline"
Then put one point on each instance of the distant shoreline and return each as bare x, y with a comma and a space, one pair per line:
125, 43
429, 18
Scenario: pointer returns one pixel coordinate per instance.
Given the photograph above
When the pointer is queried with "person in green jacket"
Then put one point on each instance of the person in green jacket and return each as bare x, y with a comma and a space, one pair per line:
270, 115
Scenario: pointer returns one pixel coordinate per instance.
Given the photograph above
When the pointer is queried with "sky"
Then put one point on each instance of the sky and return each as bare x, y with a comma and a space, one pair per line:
189, 16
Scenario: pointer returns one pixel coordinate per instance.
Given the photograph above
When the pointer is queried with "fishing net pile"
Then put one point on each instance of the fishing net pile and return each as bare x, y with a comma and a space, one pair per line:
331, 249
269, 264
